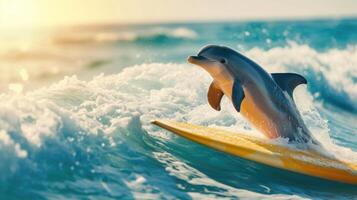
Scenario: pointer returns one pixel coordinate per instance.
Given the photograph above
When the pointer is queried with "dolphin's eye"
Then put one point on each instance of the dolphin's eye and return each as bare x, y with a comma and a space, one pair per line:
223, 61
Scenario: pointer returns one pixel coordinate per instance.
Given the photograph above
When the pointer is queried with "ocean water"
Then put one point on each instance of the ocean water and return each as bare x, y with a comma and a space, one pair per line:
76, 105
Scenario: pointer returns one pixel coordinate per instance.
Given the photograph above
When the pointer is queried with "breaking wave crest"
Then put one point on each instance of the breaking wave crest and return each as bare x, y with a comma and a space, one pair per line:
332, 74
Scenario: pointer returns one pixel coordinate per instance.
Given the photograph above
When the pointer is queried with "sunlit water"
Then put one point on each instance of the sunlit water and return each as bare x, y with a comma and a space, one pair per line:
88, 135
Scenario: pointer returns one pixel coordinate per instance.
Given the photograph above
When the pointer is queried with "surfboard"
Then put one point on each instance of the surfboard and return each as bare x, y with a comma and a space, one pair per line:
265, 152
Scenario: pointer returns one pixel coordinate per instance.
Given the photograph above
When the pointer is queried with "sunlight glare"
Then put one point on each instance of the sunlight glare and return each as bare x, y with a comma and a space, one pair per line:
17, 14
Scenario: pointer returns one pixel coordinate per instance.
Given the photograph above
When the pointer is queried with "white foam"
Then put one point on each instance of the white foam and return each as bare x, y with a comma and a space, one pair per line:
7, 142
337, 66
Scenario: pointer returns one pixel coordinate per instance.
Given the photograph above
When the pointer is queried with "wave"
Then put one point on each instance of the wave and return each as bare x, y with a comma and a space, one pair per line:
332, 75
80, 133
153, 35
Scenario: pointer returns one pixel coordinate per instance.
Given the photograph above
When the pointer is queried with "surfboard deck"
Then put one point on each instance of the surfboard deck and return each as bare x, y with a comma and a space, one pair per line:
261, 151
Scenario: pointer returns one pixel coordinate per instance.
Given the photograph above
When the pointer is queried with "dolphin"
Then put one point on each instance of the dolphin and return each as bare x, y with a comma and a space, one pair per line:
265, 100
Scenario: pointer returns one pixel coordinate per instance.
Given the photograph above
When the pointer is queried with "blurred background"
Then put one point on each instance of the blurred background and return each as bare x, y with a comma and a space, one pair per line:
45, 40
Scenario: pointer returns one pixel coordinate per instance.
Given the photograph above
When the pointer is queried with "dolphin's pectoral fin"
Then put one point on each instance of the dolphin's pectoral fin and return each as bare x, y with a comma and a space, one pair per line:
215, 95
237, 95
288, 81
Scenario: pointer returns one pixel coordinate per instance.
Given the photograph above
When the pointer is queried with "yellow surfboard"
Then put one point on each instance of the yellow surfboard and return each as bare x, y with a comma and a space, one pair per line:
261, 151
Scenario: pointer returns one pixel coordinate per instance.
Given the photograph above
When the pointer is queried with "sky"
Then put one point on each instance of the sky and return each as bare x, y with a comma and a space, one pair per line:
33, 13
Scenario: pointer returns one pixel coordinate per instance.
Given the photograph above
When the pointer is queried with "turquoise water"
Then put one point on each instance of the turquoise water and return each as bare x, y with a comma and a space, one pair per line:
76, 105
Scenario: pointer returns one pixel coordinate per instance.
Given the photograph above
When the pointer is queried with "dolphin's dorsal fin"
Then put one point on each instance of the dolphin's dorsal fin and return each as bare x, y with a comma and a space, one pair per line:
288, 81
215, 95
237, 95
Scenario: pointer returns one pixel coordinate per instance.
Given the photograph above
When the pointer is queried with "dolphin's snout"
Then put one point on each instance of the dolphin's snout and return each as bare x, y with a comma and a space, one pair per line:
191, 59
196, 59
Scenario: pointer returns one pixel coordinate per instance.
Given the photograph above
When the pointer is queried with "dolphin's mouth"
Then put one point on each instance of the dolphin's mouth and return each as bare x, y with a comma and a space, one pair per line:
199, 60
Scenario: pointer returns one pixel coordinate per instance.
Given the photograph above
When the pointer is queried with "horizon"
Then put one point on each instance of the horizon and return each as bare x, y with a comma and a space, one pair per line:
178, 22
291, 19
17, 14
